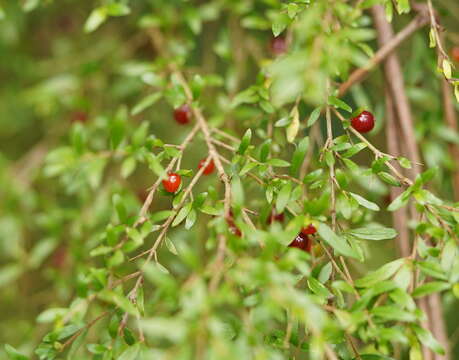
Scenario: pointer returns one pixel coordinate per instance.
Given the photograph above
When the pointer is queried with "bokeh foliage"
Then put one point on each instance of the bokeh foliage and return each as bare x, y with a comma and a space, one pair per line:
87, 94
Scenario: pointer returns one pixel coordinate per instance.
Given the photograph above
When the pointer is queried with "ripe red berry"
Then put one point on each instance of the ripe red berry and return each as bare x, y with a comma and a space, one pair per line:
209, 169
233, 229
275, 217
309, 230
172, 183
302, 242
364, 122
278, 45
182, 114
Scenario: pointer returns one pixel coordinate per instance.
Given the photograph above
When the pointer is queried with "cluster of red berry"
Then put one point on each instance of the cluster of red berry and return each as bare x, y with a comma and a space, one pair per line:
302, 241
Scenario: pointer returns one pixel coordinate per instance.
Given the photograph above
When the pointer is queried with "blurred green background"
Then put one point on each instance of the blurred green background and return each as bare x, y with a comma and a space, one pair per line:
54, 77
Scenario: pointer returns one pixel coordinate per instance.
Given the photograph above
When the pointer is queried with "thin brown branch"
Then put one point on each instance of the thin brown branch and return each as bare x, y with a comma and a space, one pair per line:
358, 75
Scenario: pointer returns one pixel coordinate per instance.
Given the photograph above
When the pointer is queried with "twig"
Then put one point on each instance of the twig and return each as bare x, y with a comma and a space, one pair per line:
80, 331
418, 22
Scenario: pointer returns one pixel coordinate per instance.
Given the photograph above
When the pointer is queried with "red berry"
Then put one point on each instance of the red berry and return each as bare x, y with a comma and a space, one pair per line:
209, 169
275, 217
302, 242
233, 229
172, 183
182, 114
278, 45
310, 230
455, 53
364, 122
79, 116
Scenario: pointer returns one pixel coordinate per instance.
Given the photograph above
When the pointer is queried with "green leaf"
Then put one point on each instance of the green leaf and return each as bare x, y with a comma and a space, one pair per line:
318, 289
364, 202
399, 201
373, 357
283, 197
432, 38
279, 23
161, 215
292, 10
145, 103
373, 233
95, 19
155, 165
403, 6
430, 287
13, 354
283, 122
313, 176
336, 242
117, 9
339, 104
427, 339
128, 166
119, 300
245, 142
278, 163
120, 208
354, 150
247, 167
298, 156
191, 219
264, 150
237, 191
433, 269
315, 114
391, 312
388, 178
130, 353
404, 162
447, 68
294, 127
383, 273
182, 214
76, 345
